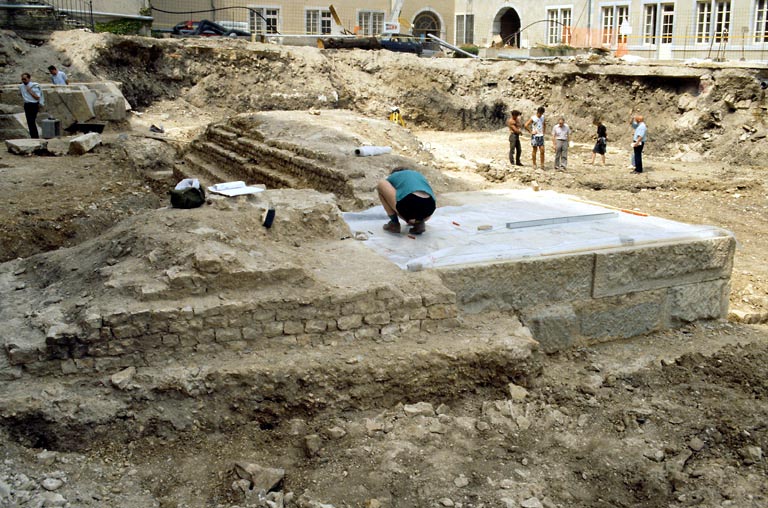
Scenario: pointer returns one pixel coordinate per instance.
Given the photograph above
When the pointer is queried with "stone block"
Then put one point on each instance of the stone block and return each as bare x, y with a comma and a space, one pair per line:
110, 107
379, 318
521, 284
441, 311
273, 329
74, 100
621, 317
367, 333
293, 327
253, 332
55, 107
26, 146
84, 144
663, 266
349, 322
228, 334
315, 326
13, 126
705, 300
555, 327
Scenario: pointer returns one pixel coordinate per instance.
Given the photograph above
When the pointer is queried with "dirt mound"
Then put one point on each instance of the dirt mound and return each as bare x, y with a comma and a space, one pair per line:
690, 109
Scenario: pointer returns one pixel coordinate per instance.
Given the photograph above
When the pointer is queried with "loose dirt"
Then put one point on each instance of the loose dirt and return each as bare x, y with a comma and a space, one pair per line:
672, 419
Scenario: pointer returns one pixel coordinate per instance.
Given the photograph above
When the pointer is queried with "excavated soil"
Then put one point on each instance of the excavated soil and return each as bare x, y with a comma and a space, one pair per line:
672, 419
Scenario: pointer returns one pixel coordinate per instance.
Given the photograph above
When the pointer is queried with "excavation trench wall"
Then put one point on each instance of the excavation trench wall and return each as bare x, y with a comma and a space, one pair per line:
687, 107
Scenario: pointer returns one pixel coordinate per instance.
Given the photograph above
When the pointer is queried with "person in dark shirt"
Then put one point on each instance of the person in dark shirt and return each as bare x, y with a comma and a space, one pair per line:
602, 141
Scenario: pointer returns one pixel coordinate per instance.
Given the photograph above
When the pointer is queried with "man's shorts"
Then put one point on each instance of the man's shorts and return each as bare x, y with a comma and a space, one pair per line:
537, 140
415, 207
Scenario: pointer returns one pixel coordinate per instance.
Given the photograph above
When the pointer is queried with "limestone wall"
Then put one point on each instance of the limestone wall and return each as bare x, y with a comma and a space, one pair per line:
593, 297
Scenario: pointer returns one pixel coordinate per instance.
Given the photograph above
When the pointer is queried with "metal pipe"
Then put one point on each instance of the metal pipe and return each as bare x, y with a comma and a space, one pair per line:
451, 46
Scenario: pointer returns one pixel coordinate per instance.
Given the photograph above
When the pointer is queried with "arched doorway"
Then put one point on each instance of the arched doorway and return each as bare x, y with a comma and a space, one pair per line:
507, 25
425, 23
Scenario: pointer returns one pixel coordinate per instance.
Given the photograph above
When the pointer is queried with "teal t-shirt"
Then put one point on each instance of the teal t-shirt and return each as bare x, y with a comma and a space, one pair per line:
407, 182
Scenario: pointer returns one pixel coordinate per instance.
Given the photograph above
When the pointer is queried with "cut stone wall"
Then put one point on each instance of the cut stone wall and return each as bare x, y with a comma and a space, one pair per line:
595, 297
142, 337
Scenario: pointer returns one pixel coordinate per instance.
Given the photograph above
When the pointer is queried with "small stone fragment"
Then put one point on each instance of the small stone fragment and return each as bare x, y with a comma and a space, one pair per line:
446, 501
336, 433
419, 409
517, 393
312, 445
696, 444
52, 484
122, 379
260, 478
532, 502
461, 481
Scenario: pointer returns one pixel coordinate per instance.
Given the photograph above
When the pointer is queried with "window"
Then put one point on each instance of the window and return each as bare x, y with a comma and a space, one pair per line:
652, 29
761, 21
612, 18
370, 22
667, 23
426, 22
722, 21
622, 18
264, 20
607, 24
649, 24
465, 28
318, 21
559, 26
703, 22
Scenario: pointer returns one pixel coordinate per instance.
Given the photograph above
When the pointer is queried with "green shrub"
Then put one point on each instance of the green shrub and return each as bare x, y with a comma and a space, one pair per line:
469, 48
121, 27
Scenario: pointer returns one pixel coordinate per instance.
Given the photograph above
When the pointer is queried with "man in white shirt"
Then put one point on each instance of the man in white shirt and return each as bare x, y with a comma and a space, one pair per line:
561, 135
58, 77
537, 126
33, 99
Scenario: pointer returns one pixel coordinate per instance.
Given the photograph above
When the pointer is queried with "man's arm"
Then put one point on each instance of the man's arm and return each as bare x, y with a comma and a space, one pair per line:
31, 91
528, 125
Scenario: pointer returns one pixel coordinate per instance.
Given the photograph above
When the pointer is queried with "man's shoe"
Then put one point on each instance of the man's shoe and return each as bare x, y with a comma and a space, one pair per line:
392, 227
518, 163
418, 228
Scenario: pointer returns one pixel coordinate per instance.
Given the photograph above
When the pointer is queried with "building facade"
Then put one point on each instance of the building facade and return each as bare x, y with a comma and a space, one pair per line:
659, 29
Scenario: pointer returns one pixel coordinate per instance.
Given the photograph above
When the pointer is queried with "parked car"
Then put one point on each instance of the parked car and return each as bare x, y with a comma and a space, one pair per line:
402, 43
206, 28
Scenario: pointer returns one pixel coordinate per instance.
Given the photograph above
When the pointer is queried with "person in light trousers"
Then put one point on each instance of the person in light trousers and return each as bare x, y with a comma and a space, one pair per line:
561, 136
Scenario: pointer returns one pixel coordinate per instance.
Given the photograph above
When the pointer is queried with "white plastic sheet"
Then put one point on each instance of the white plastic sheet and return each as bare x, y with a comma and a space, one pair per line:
453, 237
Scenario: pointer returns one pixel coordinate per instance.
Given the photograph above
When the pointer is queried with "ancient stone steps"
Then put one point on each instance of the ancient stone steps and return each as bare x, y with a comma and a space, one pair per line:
208, 166
277, 163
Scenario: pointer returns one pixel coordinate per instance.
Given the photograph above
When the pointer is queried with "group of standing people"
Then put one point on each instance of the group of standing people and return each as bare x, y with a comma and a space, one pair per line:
33, 98
536, 126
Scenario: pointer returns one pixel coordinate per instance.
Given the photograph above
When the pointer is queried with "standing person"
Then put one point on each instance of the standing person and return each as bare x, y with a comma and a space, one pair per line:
33, 99
515, 129
561, 136
633, 124
601, 144
406, 194
58, 77
638, 142
537, 126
